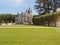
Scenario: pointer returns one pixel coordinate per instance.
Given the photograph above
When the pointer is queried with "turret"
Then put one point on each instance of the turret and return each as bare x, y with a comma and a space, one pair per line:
17, 13
29, 10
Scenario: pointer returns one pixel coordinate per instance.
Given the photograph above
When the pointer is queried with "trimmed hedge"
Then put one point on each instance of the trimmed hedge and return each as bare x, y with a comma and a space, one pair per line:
45, 19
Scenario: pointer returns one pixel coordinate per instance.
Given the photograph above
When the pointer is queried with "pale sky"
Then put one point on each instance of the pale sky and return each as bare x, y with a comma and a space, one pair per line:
14, 6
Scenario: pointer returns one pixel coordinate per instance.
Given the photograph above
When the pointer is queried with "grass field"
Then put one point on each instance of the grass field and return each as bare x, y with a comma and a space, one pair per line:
29, 36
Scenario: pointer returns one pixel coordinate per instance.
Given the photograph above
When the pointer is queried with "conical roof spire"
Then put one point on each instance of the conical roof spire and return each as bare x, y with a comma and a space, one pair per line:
17, 13
29, 10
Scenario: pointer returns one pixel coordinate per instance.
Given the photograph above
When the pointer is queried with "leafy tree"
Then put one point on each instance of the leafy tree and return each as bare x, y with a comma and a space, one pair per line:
7, 18
46, 19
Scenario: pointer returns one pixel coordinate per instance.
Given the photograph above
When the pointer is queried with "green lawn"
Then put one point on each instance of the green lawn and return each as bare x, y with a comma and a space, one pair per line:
29, 36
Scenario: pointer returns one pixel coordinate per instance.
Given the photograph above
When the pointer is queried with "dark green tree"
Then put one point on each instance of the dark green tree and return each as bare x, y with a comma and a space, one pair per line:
7, 18
46, 6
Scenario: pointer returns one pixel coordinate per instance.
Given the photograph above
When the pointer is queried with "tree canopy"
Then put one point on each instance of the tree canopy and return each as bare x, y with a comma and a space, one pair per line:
46, 6
7, 18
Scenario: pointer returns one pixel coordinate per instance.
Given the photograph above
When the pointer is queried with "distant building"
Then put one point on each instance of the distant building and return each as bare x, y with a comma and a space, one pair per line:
24, 17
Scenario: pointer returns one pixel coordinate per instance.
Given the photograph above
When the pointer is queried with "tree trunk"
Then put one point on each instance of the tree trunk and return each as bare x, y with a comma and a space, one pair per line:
48, 23
54, 24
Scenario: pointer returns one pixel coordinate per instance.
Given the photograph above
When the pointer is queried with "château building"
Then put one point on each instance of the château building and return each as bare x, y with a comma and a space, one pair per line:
24, 17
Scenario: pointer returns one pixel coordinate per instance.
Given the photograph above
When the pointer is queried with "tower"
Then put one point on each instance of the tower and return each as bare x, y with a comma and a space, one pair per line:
29, 16
29, 11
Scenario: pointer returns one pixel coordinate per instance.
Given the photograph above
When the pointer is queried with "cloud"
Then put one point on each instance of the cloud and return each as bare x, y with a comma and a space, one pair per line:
11, 3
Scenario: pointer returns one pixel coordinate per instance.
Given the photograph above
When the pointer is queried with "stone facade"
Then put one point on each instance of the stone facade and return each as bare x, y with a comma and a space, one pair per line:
24, 17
